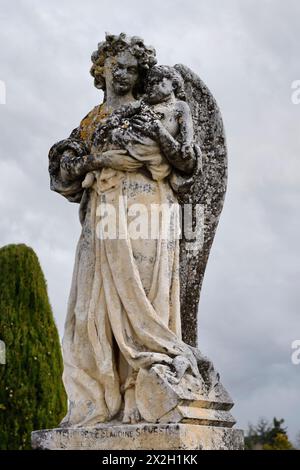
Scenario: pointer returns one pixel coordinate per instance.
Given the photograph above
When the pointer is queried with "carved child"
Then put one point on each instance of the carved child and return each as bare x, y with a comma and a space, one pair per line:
156, 131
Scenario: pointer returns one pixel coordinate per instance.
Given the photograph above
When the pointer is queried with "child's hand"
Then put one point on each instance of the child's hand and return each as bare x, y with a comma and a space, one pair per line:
187, 152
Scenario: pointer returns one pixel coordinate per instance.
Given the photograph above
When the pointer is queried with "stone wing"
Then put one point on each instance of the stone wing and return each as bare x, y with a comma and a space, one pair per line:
208, 190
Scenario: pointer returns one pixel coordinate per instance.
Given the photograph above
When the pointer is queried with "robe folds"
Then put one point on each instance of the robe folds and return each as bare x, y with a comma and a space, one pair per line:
124, 304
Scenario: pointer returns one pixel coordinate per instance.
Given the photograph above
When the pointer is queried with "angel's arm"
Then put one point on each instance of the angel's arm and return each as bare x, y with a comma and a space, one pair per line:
73, 166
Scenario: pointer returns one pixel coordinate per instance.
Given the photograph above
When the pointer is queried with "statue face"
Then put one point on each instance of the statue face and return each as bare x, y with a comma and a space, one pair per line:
122, 72
158, 89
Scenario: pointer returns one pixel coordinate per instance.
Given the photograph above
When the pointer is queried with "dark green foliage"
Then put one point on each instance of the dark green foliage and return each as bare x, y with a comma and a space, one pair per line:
265, 436
31, 391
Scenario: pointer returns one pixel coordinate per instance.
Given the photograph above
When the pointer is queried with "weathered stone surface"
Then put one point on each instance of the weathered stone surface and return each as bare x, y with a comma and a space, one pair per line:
161, 400
140, 437
157, 141
208, 190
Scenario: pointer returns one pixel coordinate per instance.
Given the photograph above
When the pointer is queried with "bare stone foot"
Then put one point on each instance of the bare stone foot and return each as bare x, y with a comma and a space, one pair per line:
131, 412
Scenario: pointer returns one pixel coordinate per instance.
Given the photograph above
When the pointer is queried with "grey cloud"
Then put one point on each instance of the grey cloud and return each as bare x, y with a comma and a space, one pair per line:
247, 53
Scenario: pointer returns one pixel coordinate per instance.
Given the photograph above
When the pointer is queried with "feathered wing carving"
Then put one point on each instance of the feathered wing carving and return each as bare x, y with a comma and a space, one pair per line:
208, 189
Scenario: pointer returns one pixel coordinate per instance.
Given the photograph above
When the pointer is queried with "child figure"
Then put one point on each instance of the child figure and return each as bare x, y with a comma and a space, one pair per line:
156, 131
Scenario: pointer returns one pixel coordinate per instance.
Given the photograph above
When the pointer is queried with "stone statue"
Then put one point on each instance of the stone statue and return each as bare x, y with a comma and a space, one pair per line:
155, 145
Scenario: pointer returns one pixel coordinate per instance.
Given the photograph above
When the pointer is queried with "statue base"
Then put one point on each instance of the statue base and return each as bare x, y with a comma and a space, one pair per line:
178, 436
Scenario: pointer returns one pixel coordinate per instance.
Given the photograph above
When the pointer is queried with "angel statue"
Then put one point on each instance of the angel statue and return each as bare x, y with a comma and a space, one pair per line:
139, 165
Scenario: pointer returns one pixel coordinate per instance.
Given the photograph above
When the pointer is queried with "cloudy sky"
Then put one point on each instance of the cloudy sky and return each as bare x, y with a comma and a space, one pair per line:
247, 51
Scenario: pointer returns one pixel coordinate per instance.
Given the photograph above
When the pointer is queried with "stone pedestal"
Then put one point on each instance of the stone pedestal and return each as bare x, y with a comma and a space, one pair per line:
140, 437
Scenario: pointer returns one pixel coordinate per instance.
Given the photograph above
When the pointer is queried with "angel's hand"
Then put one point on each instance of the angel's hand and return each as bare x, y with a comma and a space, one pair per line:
150, 128
88, 180
119, 160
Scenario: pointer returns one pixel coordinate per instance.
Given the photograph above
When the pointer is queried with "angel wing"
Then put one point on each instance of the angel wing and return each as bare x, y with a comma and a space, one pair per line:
206, 194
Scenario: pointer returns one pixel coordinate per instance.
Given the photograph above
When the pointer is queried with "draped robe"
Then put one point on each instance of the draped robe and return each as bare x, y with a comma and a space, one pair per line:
124, 304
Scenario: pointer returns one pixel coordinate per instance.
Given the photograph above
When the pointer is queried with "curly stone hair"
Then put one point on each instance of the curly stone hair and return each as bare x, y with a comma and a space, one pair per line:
112, 45
166, 71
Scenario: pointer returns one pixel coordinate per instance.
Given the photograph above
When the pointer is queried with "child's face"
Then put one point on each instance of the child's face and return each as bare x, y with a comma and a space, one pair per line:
159, 89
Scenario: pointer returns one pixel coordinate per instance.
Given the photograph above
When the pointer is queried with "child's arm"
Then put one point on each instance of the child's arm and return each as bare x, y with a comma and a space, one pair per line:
180, 153
186, 127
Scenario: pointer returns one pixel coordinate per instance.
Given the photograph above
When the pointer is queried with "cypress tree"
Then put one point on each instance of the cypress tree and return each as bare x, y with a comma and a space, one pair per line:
32, 395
